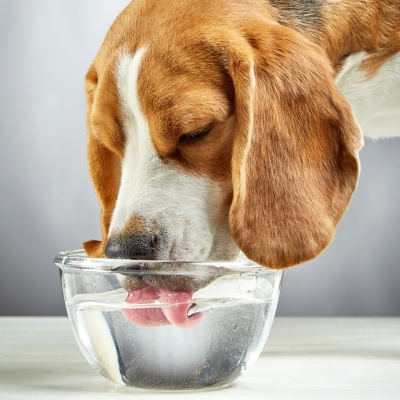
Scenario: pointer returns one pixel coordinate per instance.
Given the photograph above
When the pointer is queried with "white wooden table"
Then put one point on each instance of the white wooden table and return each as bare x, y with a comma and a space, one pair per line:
305, 358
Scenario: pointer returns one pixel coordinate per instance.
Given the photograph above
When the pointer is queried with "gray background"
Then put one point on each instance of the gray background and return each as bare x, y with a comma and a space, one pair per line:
47, 203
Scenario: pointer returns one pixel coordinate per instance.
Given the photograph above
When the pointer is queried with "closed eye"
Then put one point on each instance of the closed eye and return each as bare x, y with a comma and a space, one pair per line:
196, 134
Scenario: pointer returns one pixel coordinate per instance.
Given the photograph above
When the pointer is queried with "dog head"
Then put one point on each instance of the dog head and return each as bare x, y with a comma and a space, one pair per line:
212, 128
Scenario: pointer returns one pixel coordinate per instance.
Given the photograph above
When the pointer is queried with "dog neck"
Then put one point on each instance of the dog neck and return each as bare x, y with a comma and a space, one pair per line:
344, 28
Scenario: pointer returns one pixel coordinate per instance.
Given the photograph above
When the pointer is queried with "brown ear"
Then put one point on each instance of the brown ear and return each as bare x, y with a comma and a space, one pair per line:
295, 156
104, 173
104, 170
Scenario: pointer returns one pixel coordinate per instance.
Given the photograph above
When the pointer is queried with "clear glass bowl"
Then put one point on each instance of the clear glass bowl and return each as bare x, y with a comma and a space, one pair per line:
169, 325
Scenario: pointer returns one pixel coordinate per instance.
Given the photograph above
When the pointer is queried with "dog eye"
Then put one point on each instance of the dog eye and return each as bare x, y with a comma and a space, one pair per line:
197, 134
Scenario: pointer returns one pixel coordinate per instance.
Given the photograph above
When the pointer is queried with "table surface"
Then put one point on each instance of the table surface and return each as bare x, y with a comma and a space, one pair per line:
305, 358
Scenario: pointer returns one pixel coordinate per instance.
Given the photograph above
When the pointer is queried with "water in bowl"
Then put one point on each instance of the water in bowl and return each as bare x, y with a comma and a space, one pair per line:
213, 353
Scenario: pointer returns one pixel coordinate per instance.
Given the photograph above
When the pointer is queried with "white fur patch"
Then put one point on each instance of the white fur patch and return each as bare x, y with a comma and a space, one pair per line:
186, 208
375, 101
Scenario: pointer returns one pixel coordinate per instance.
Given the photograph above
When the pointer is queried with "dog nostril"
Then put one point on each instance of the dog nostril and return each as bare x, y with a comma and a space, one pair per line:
153, 241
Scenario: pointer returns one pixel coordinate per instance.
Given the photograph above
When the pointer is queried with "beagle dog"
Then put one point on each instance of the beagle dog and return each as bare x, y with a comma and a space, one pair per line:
216, 126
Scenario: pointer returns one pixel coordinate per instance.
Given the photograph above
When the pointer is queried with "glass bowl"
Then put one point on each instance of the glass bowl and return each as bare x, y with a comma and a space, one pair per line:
169, 325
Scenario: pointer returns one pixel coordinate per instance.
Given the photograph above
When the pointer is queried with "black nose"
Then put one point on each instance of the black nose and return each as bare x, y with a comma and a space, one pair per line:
132, 247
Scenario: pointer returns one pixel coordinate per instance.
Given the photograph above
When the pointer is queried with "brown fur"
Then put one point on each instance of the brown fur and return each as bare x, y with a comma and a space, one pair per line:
285, 150
105, 149
352, 26
298, 177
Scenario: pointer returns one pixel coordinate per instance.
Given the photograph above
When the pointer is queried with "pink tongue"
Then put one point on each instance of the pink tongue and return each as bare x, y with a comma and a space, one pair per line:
175, 314
144, 316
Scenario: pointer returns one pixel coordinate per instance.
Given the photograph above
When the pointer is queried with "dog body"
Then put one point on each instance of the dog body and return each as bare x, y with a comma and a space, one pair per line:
216, 126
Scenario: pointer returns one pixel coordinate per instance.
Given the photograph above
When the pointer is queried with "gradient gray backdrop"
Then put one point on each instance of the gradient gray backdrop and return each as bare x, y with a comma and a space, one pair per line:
47, 203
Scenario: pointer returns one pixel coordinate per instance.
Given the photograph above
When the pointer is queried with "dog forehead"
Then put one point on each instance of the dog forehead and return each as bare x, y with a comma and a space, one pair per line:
180, 85
157, 21
174, 29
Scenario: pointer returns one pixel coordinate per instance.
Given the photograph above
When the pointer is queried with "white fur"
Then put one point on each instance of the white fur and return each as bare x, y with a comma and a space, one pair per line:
186, 208
375, 101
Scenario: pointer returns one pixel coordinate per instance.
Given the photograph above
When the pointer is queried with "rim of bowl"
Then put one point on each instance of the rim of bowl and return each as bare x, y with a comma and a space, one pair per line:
78, 260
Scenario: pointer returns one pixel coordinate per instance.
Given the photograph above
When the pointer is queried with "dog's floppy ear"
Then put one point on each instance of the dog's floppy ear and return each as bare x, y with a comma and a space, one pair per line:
104, 169
104, 173
295, 156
